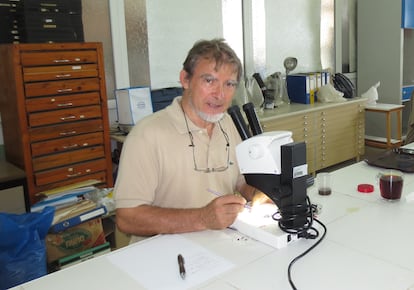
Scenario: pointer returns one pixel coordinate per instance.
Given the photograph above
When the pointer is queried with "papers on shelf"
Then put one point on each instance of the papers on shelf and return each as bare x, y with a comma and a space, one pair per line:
69, 188
56, 203
68, 212
64, 196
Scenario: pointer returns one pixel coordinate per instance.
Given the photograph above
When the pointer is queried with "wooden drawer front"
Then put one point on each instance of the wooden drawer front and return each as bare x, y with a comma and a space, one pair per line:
69, 172
64, 115
61, 102
300, 126
46, 73
339, 124
338, 135
64, 159
65, 130
58, 57
61, 87
66, 144
338, 152
101, 175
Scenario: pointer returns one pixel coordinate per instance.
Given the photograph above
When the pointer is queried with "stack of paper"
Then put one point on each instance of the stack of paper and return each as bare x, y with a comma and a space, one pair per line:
64, 196
75, 214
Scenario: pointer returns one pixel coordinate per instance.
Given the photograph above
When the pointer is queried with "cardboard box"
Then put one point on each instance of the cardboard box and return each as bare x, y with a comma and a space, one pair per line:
84, 256
74, 240
133, 104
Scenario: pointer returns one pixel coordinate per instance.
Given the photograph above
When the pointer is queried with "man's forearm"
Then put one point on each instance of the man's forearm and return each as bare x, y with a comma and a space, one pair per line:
146, 220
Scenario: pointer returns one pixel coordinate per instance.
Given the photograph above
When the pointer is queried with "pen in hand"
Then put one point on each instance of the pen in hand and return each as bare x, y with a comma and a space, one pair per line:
181, 266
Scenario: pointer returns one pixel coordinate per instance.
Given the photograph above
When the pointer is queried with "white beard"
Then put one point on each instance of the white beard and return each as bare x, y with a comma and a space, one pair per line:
206, 117
210, 118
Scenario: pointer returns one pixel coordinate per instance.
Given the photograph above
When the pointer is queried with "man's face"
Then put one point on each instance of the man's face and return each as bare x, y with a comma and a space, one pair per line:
210, 91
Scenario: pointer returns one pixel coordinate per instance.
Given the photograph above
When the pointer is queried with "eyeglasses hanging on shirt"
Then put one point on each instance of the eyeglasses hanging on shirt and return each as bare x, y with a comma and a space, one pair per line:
192, 145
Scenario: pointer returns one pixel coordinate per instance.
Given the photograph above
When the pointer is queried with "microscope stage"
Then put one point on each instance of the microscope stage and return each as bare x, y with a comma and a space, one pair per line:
257, 222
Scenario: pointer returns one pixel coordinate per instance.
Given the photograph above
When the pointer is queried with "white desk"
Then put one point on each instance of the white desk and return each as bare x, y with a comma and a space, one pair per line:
369, 245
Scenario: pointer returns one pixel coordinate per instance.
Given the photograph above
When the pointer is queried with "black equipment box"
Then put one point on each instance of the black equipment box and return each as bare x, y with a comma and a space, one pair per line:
161, 98
35, 21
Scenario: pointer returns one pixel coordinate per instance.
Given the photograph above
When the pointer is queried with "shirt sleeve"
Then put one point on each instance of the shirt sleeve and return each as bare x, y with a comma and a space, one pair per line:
137, 172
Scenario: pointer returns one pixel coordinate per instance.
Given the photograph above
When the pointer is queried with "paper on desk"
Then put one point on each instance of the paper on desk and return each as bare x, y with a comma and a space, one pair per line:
153, 262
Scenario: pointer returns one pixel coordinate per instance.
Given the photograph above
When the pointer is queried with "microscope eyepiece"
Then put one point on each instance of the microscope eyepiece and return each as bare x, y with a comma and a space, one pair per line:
251, 115
234, 112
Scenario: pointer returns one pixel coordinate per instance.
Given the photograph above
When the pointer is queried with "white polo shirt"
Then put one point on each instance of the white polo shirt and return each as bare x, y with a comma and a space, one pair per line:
157, 167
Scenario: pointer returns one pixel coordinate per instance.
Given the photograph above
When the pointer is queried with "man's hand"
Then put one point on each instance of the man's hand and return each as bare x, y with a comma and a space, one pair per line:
222, 211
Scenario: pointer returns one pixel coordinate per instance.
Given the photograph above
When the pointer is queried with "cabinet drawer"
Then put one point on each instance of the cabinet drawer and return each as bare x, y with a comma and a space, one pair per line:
300, 126
101, 176
61, 87
61, 102
64, 159
45, 73
69, 172
58, 57
66, 144
65, 130
64, 115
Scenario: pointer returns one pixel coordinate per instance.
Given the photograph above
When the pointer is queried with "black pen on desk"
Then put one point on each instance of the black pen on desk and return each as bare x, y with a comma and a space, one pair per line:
181, 266
216, 193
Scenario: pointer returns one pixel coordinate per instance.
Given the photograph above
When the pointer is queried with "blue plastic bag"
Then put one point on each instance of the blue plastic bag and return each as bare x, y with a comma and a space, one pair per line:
22, 246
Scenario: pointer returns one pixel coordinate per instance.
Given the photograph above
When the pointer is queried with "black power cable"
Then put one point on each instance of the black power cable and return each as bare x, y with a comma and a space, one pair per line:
307, 231
304, 253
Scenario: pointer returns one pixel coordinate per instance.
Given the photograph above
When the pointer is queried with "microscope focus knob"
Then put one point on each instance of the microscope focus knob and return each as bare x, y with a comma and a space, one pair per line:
256, 151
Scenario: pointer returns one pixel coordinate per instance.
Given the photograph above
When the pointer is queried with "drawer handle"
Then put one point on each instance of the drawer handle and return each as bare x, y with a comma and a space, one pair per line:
64, 90
73, 175
61, 60
68, 118
70, 146
63, 76
65, 105
67, 133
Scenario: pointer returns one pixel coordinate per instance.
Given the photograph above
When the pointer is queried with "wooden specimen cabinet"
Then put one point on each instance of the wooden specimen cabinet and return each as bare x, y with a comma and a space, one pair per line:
55, 114
333, 132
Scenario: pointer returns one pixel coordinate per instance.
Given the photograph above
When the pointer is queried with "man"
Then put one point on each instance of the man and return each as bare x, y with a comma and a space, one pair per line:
173, 159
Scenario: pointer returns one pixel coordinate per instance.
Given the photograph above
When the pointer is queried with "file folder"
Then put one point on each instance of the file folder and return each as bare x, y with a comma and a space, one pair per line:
301, 88
61, 226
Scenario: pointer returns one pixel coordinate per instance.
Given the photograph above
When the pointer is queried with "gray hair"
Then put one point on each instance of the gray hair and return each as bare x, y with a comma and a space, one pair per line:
216, 49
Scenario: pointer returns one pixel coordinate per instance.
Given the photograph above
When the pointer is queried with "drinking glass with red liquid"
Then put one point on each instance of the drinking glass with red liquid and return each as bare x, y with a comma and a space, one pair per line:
391, 184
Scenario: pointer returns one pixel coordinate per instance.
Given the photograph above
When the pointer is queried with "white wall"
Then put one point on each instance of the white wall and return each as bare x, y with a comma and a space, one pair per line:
293, 29
172, 31
273, 30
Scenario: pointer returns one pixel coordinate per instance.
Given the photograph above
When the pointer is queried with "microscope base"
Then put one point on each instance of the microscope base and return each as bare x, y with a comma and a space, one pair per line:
257, 223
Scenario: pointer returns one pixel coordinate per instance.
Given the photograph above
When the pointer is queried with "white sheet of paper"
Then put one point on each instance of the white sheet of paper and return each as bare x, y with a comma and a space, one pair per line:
153, 262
